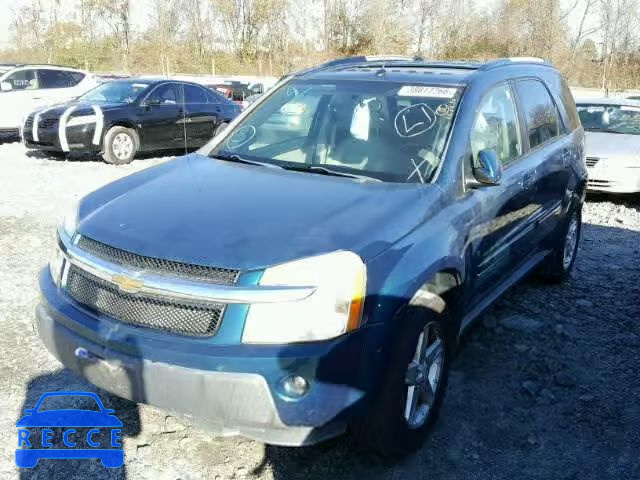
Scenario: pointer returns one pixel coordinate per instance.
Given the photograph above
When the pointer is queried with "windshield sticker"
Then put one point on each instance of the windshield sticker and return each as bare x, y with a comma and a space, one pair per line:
595, 109
429, 92
241, 137
629, 108
140, 85
414, 120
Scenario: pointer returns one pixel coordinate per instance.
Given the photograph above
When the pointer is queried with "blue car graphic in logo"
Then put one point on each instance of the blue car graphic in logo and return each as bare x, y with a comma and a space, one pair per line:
84, 433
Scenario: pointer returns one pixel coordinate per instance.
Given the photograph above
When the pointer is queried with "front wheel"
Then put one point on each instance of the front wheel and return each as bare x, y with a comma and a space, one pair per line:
120, 145
410, 398
557, 266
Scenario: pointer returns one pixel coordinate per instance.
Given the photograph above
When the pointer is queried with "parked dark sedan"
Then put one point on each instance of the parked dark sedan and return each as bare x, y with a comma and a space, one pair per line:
123, 117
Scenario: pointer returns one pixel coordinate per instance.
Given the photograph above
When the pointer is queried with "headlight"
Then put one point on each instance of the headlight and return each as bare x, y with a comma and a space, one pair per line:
56, 263
70, 221
334, 308
75, 121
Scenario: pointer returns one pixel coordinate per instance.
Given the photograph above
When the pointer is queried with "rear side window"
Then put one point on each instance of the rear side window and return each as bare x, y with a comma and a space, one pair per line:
193, 94
496, 126
23, 80
540, 113
76, 77
214, 97
569, 106
54, 79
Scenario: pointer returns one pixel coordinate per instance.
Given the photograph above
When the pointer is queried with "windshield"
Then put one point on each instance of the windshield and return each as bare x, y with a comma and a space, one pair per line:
115, 92
389, 131
624, 119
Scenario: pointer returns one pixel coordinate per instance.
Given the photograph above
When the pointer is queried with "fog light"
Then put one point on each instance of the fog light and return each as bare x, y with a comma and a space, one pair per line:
294, 386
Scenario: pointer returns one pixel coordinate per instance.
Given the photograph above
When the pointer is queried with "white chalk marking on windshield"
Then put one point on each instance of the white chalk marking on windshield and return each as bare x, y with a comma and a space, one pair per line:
410, 126
416, 169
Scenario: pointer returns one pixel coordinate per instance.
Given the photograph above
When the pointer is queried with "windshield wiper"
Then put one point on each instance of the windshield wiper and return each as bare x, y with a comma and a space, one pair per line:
239, 159
327, 171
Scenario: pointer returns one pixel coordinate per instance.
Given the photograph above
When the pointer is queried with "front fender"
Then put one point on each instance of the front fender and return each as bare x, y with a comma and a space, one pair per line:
395, 276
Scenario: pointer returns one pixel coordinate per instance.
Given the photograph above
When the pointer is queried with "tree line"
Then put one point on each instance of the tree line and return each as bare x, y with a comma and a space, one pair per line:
594, 42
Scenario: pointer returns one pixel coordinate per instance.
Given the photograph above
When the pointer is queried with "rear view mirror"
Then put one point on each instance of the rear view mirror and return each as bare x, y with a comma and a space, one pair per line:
6, 86
489, 169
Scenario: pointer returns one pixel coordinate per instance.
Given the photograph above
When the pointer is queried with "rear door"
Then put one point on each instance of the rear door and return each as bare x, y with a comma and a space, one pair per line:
550, 150
161, 116
501, 227
201, 116
56, 85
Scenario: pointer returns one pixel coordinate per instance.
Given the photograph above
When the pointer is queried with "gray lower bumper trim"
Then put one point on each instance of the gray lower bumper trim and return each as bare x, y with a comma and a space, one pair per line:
223, 402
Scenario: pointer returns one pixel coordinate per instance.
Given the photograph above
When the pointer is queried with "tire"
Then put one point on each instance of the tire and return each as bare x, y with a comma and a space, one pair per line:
557, 266
120, 145
388, 429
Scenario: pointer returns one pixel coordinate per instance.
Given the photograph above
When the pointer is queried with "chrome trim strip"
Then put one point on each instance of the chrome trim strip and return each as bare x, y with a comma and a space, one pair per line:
177, 288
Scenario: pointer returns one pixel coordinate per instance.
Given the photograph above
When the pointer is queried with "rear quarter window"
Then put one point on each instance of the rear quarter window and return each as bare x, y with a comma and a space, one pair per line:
540, 113
76, 77
569, 104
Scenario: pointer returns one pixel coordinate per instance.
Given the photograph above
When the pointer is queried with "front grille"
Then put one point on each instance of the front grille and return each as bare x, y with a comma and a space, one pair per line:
165, 267
163, 314
48, 123
591, 161
599, 183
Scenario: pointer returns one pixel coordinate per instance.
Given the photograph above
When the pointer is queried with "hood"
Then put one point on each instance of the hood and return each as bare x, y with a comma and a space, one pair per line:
612, 145
80, 108
198, 210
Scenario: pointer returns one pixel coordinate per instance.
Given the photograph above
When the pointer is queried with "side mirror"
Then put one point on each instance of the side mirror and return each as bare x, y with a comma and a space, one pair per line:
489, 169
6, 86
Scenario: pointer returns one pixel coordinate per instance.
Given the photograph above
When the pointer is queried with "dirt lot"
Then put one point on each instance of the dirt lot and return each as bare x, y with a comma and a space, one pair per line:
546, 387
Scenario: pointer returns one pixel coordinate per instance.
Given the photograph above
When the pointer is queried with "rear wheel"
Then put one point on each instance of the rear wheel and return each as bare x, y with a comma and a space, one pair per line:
120, 145
557, 266
411, 396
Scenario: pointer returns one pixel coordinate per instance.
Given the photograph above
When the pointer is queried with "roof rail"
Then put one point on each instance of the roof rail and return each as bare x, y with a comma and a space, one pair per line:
358, 59
503, 62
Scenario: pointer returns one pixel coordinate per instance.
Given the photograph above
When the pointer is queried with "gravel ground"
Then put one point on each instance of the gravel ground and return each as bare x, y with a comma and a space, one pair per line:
546, 386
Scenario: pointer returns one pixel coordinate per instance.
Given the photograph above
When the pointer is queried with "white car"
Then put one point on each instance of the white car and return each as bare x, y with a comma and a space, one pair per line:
612, 131
23, 88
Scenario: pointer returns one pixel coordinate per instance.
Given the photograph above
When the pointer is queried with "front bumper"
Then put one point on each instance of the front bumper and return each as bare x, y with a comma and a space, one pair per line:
46, 136
228, 389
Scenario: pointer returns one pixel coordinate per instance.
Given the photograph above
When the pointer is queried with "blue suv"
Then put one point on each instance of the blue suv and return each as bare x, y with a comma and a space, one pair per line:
311, 269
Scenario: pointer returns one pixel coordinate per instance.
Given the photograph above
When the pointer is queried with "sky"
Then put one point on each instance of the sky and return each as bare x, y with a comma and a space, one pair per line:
141, 9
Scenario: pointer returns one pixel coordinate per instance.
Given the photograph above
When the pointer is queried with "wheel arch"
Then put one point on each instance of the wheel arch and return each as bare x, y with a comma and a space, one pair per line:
122, 122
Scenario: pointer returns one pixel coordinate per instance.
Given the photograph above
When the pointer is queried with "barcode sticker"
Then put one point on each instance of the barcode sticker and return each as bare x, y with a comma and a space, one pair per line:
429, 92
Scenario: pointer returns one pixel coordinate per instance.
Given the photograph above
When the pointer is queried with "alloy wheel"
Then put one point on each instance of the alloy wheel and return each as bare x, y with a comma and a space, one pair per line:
424, 375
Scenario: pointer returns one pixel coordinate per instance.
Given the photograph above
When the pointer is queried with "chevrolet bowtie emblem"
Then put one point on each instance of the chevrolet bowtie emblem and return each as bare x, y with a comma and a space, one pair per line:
127, 284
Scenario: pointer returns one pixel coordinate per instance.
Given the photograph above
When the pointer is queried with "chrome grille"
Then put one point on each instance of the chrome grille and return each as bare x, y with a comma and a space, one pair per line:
158, 313
591, 161
157, 265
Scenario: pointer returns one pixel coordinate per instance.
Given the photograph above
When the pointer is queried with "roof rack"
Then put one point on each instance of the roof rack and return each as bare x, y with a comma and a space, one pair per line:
358, 60
362, 61
503, 62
